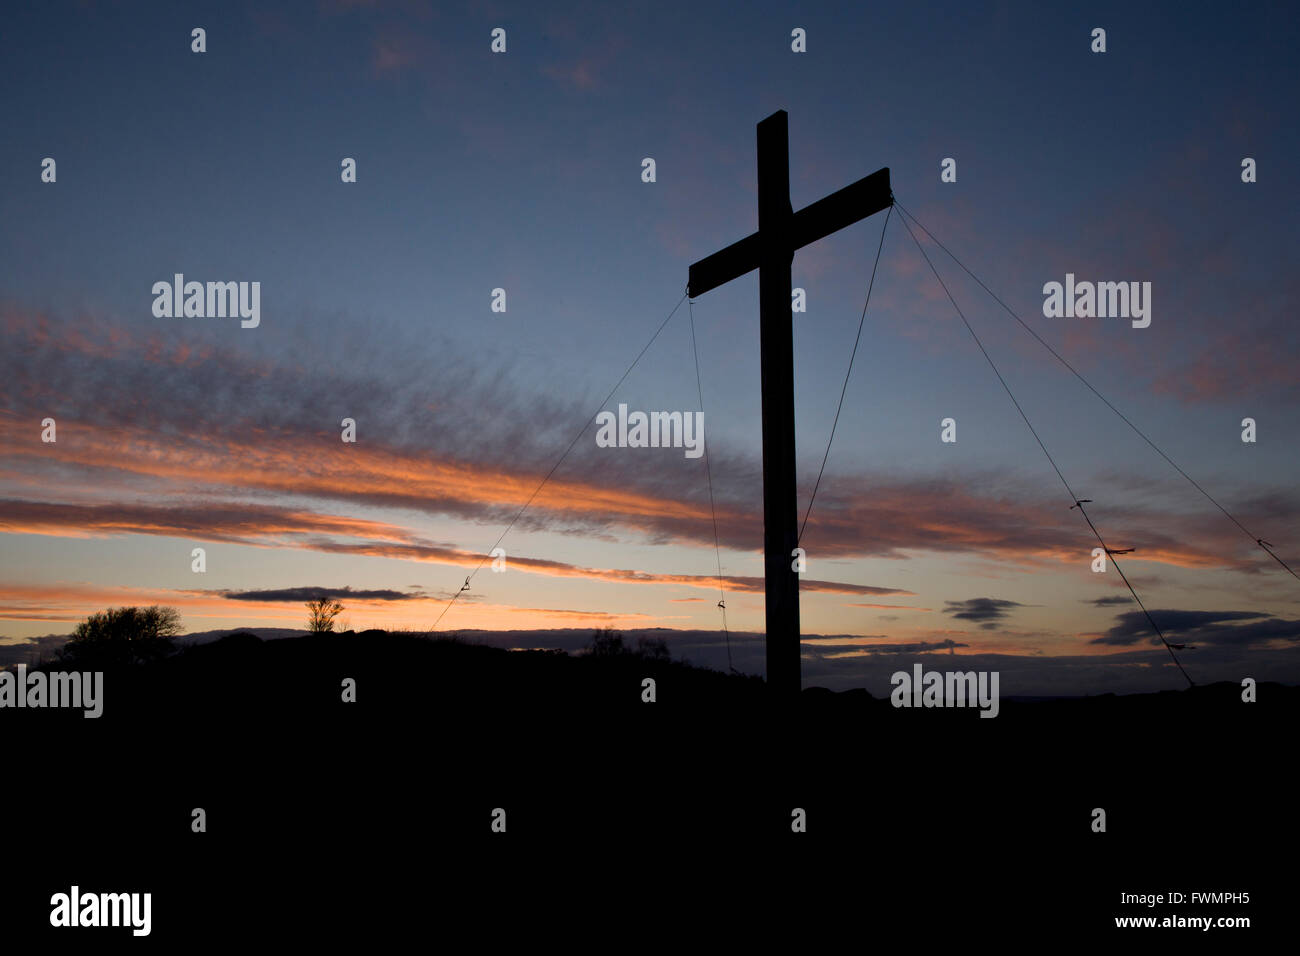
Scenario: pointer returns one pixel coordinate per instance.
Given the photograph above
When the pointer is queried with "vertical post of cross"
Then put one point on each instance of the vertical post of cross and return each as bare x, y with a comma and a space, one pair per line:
776, 345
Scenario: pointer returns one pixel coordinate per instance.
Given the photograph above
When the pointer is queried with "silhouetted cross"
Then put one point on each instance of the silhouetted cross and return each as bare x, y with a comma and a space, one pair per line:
770, 250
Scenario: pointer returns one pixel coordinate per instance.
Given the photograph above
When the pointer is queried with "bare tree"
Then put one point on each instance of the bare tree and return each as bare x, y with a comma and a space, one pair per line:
607, 642
321, 614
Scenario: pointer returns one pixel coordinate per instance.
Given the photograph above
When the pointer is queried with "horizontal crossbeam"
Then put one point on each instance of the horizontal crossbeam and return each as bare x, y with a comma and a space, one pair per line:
721, 267
866, 197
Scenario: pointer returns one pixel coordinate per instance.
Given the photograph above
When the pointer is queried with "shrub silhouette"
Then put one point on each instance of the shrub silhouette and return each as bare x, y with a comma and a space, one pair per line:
123, 637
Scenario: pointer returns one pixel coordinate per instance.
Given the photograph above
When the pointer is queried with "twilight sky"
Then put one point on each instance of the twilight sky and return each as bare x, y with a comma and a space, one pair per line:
523, 171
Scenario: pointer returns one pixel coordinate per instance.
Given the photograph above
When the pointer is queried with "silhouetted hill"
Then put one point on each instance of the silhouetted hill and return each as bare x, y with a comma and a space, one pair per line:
595, 780
239, 676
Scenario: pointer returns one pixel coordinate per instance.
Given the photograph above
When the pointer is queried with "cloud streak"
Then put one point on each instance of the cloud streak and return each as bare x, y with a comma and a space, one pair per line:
987, 612
1202, 628
192, 426
303, 594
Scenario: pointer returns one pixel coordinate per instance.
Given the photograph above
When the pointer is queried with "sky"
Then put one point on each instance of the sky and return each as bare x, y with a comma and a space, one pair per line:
523, 171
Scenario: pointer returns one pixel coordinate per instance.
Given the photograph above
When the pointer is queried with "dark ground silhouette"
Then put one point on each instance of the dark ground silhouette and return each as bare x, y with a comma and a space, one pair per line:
344, 812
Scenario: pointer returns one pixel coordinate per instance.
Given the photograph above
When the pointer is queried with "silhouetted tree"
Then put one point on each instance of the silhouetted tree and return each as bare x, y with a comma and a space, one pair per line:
607, 642
321, 614
122, 636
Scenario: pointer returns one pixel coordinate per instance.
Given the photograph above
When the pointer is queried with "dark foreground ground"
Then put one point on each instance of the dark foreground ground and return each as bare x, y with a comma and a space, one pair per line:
368, 824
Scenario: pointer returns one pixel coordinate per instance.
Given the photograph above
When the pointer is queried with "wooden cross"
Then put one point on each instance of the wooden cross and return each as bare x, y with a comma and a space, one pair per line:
770, 250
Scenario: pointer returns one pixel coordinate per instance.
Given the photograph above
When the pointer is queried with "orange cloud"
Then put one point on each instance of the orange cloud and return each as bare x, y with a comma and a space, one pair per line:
904, 517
